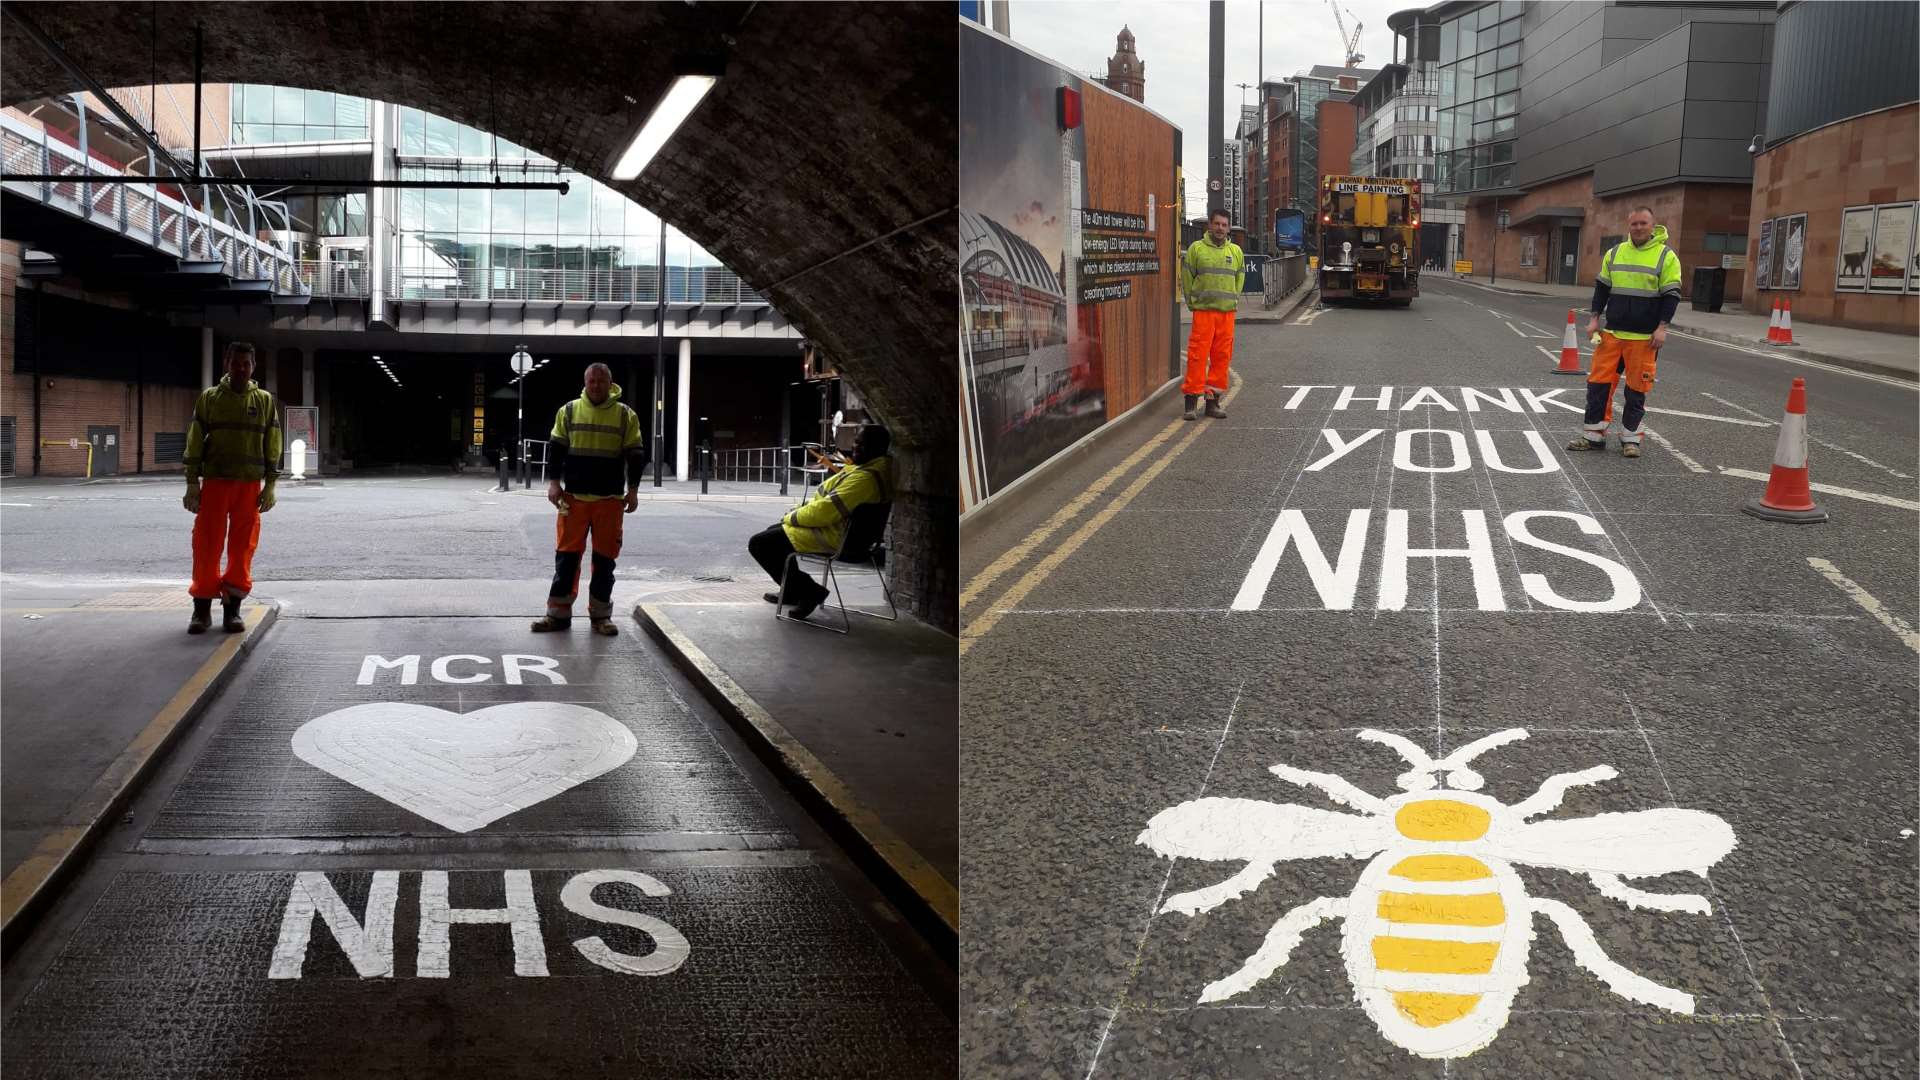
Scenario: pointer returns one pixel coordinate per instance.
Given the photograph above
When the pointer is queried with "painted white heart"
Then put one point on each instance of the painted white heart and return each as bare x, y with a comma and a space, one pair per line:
465, 770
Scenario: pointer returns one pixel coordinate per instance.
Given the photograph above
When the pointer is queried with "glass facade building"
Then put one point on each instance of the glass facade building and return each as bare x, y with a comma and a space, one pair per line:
1478, 98
287, 114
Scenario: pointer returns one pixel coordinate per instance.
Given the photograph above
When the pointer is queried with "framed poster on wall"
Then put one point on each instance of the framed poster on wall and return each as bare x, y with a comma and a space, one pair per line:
1856, 233
1888, 269
1763, 265
1913, 259
1790, 240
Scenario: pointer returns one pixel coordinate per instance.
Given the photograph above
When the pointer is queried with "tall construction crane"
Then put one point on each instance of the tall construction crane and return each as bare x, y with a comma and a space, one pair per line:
1348, 42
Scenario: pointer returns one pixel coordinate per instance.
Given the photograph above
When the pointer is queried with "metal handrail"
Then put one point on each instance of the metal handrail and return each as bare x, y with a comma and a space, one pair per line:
1281, 275
616, 285
323, 278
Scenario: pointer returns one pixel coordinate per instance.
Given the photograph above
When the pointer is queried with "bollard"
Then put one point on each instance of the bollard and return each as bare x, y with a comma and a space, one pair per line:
706, 462
501, 466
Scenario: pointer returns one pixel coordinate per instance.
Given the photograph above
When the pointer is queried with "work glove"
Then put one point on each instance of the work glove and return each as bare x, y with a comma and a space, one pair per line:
192, 498
266, 497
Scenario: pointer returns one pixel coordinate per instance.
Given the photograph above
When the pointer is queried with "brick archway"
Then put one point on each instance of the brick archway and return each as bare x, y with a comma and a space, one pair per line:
822, 168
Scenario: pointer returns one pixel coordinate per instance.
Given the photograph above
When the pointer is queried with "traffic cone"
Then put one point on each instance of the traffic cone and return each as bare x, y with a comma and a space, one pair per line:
1773, 323
1788, 496
1569, 351
1786, 322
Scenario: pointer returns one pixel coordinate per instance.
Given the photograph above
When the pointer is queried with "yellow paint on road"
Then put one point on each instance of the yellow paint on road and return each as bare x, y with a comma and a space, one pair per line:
1432, 1010
1440, 868
1435, 909
1421, 956
1442, 819
979, 627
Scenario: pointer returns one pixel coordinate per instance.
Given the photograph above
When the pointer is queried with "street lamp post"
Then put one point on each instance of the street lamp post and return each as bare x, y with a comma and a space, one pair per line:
522, 363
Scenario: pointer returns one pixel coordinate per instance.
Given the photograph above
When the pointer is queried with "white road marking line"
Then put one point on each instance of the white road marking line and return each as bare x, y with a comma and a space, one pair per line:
1901, 383
1516, 329
1692, 465
1867, 602
1710, 416
1735, 406
1830, 489
1555, 356
16, 504
1539, 331
1835, 447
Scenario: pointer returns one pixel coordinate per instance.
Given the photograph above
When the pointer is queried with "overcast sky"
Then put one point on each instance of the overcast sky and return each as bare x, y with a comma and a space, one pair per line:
1171, 37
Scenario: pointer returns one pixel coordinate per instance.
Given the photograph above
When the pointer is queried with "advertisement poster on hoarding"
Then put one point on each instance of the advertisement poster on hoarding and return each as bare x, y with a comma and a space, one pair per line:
1892, 248
1790, 240
1035, 384
1850, 267
1913, 261
1763, 266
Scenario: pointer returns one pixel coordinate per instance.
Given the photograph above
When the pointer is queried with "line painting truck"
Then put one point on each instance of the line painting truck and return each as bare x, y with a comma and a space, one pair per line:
1370, 239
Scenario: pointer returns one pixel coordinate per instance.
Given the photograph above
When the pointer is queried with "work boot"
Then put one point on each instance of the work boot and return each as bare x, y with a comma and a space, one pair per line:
806, 607
1193, 408
604, 627
1584, 443
1213, 407
770, 597
547, 624
230, 619
202, 616
1630, 449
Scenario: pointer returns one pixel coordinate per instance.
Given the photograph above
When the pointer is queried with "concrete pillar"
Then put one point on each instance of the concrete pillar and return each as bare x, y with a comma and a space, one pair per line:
378, 251
683, 414
207, 374
306, 377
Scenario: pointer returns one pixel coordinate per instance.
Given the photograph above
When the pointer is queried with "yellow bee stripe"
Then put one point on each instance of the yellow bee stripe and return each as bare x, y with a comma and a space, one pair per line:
1479, 909
1440, 868
1423, 957
1429, 1009
1442, 819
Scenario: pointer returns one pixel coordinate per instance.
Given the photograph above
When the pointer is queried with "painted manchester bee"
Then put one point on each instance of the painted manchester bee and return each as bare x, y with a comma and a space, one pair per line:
1436, 931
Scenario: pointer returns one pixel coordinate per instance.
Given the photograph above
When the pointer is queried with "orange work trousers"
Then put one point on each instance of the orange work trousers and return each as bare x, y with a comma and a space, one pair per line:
1209, 351
599, 520
229, 517
1617, 357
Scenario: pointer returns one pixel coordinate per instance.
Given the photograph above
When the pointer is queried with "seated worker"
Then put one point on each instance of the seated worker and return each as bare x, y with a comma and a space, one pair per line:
817, 526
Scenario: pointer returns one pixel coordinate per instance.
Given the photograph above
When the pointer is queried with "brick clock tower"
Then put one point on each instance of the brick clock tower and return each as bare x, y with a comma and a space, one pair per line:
1125, 71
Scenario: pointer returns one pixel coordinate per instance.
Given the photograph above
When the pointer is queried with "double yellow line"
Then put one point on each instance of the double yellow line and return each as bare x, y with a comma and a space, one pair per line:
971, 630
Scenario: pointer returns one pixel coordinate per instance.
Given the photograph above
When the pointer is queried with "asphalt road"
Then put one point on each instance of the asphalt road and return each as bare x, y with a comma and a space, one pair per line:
410, 838
1749, 911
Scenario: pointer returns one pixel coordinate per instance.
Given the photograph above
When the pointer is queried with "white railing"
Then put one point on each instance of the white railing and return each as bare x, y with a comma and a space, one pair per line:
139, 211
330, 278
619, 285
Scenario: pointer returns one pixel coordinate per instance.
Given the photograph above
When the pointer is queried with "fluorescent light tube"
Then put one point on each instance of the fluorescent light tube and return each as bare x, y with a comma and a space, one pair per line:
674, 108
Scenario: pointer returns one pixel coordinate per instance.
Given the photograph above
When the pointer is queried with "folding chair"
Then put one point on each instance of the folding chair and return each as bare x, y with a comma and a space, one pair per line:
860, 546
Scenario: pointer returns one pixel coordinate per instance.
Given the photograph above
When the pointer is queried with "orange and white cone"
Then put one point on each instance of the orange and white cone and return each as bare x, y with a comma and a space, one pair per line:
1773, 323
1786, 322
1788, 496
1569, 351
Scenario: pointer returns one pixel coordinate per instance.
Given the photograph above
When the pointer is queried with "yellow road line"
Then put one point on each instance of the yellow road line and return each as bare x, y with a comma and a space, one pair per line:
928, 883
979, 627
57, 851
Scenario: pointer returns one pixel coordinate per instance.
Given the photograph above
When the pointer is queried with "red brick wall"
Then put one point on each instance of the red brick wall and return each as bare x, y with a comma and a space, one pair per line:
1338, 121
1869, 159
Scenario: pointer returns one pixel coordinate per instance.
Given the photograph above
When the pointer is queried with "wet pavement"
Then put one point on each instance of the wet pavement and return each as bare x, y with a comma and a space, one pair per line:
444, 846
1623, 613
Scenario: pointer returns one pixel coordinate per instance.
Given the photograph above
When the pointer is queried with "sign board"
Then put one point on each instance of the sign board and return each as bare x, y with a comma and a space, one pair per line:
1733, 262
1463, 266
522, 362
303, 424
1213, 184
1369, 187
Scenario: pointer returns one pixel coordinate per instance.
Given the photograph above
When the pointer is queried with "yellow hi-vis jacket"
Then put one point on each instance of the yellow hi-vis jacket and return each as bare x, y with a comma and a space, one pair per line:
1638, 287
234, 434
1211, 275
595, 447
818, 525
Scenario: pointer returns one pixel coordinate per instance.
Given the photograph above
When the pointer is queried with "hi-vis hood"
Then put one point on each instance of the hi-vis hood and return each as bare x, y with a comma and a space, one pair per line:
226, 383
1655, 241
613, 398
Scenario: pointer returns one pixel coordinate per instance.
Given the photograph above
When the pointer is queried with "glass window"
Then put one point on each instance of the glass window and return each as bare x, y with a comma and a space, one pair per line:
1465, 70
1503, 126
351, 113
474, 213
1508, 56
473, 142
543, 212
1449, 41
288, 133
576, 208
412, 212
508, 255
319, 108
510, 151
1506, 104
1506, 81
1500, 176
256, 104
1510, 32
413, 138
1447, 80
1487, 38
540, 257
289, 105
317, 134
609, 211
1511, 9
1483, 132
1482, 156
442, 210
1502, 153
442, 140
1482, 110
1483, 86
509, 211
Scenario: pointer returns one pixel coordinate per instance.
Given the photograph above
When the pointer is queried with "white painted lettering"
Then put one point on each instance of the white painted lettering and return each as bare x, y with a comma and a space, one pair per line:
1336, 585
1548, 463
1626, 587
517, 665
409, 669
1340, 449
369, 948
1479, 552
670, 948
1456, 443
1382, 403
1505, 400
442, 669
1420, 398
437, 920
1540, 400
1300, 393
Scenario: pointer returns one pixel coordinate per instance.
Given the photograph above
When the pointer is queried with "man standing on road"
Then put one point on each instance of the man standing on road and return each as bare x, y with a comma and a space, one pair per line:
595, 444
1211, 275
233, 441
818, 526
1639, 290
